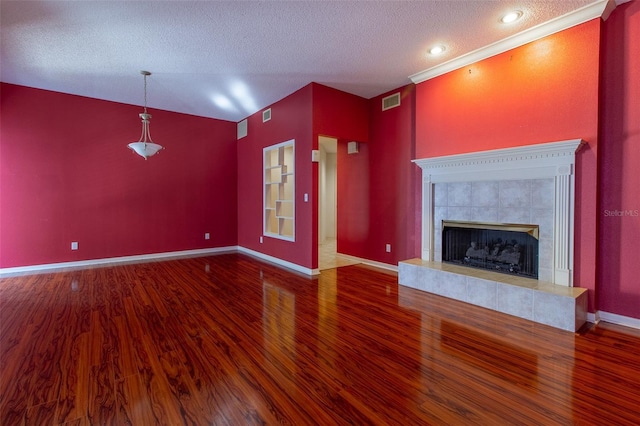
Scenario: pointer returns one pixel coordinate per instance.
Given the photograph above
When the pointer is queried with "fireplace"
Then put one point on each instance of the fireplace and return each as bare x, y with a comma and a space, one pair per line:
505, 248
525, 184
521, 185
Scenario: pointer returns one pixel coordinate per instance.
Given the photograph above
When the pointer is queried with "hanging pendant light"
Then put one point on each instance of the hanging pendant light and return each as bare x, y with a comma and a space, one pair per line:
145, 146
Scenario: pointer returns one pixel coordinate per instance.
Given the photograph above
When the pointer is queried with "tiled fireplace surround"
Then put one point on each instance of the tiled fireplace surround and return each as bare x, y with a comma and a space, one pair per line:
524, 185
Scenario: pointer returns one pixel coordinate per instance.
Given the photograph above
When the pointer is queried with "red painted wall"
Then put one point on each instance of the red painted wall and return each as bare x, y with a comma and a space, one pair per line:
339, 114
345, 117
619, 215
304, 115
67, 175
354, 207
377, 186
291, 118
544, 91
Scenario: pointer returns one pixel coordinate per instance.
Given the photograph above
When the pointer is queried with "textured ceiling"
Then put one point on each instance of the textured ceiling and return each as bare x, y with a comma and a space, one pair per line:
229, 59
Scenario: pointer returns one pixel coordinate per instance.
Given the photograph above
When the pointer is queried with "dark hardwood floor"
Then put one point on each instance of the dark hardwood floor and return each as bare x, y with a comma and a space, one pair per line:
230, 340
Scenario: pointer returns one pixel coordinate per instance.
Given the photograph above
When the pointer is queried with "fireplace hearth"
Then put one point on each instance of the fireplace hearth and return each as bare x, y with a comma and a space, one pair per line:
505, 248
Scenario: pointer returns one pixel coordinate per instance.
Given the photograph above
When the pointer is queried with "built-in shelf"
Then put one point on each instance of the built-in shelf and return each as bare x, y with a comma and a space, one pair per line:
279, 191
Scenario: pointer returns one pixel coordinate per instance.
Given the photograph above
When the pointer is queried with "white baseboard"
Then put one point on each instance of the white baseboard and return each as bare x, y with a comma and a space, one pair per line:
619, 319
370, 262
52, 267
280, 262
313, 272
113, 260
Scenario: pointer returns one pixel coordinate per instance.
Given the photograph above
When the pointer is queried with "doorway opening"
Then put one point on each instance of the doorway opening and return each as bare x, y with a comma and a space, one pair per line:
328, 256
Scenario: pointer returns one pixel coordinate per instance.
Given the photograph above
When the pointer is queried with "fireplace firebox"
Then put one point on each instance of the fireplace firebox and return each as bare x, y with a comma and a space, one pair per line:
506, 248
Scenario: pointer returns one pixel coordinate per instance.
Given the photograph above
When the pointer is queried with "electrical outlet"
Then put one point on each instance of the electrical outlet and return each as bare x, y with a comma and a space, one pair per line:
206, 235
74, 245
388, 248
261, 240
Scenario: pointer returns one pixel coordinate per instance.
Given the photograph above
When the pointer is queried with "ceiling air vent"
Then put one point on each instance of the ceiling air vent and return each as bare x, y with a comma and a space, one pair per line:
266, 115
242, 129
391, 101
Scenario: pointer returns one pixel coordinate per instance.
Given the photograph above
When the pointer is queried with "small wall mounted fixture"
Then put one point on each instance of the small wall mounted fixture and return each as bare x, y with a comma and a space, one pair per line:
145, 147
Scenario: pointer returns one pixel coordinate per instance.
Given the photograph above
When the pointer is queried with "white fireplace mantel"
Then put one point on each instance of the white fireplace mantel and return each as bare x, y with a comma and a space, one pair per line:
548, 160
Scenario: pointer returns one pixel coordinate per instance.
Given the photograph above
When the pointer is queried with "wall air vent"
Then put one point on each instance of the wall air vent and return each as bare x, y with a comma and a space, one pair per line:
242, 129
391, 101
266, 115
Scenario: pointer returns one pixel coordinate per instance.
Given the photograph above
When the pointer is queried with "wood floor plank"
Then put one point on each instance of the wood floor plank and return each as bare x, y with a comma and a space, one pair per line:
165, 406
133, 403
41, 414
73, 400
48, 352
101, 396
229, 340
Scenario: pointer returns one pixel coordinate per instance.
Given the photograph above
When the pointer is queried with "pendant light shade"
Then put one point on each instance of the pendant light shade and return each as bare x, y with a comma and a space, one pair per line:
145, 147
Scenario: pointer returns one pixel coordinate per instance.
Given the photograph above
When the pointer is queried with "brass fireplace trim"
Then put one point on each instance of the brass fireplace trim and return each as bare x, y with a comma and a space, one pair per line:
533, 230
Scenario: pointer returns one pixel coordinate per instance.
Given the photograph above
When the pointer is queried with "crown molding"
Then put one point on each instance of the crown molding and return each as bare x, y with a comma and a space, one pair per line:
598, 9
529, 161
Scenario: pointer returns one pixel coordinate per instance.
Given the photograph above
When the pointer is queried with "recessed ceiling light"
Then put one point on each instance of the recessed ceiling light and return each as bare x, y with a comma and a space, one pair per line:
437, 50
511, 17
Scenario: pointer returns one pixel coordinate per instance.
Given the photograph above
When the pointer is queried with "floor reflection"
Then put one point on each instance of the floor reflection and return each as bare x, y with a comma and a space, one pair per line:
327, 315
488, 353
279, 321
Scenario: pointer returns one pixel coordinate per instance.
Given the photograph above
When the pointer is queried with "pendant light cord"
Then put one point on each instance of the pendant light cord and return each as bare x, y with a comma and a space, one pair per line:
146, 133
145, 93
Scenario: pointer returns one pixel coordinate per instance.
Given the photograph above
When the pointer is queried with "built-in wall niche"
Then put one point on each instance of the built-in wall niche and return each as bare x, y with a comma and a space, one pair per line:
279, 190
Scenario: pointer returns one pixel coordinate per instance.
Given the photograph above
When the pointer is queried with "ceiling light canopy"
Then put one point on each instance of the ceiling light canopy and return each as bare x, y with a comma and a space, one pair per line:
437, 50
145, 146
511, 17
